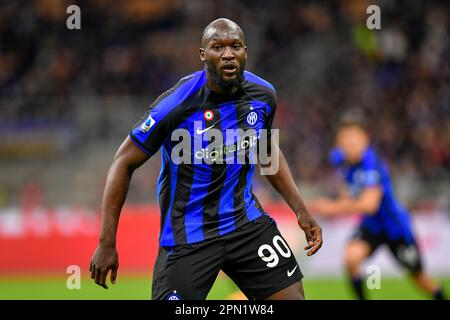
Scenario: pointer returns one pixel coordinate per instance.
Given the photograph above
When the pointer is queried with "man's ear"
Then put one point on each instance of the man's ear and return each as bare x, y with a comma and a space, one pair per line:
202, 54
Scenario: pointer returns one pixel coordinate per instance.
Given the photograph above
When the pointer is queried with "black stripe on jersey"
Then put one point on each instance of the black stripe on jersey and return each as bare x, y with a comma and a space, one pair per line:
182, 195
240, 217
258, 205
218, 175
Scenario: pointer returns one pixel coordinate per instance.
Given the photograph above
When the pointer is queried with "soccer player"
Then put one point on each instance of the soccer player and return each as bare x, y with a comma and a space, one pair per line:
370, 193
210, 220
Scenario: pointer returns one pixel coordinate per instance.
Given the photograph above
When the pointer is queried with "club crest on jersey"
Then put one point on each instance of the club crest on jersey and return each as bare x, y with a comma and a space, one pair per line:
208, 115
147, 124
173, 296
252, 117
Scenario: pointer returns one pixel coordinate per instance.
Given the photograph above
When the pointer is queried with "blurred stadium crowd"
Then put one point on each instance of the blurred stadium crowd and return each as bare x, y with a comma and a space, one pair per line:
69, 97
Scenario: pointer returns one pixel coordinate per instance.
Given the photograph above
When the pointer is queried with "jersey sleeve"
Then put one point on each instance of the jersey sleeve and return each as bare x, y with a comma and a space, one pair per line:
370, 171
272, 103
162, 117
151, 130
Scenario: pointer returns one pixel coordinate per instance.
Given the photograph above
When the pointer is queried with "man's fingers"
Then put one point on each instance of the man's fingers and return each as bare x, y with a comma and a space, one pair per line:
309, 238
92, 269
317, 242
114, 275
98, 274
315, 248
103, 276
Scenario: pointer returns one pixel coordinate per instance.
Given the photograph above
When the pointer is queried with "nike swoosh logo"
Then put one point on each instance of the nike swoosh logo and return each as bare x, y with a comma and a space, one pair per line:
290, 273
204, 130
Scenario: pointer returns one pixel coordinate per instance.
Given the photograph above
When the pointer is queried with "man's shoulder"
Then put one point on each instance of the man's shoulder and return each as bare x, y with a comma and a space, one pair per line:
255, 80
172, 102
259, 89
194, 76
185, 87
191, 81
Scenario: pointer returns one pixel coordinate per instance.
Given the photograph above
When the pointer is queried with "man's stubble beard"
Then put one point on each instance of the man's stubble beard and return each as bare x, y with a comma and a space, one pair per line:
225, 85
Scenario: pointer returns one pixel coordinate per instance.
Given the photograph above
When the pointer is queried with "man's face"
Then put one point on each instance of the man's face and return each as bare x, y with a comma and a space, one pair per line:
353, 141
225, 56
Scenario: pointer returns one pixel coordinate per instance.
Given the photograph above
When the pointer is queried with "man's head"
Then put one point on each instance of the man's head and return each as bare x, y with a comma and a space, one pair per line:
224, 54
352, 136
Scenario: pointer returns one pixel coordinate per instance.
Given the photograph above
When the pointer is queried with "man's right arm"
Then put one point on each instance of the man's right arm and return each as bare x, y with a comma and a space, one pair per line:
105, 258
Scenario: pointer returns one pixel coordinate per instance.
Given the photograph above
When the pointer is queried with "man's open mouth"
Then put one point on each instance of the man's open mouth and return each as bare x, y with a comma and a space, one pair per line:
229, 68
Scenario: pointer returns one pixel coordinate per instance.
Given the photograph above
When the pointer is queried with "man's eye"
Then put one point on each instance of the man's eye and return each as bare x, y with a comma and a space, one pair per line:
216, 47
236, 46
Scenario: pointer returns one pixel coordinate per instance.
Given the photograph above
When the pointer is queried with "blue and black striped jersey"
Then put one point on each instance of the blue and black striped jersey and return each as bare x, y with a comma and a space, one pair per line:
200, 201
391, 218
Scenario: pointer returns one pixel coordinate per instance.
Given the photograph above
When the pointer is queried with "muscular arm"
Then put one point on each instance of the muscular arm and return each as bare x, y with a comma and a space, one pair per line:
127, 159
367, 202
283, 182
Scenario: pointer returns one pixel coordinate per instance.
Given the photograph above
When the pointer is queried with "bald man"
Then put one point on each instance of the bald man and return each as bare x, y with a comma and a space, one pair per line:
210, 219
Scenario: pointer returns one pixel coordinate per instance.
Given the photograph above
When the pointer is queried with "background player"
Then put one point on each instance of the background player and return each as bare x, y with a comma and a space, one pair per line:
369, 192
210, 220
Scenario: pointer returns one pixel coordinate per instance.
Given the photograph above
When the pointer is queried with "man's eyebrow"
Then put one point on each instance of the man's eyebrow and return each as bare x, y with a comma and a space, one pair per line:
234, 39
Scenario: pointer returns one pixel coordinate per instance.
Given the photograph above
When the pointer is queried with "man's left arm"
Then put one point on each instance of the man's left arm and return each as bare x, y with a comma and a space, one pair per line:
283, 182
367, 202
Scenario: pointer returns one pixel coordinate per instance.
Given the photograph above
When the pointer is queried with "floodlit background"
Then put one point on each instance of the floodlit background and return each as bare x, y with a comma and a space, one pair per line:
69, 97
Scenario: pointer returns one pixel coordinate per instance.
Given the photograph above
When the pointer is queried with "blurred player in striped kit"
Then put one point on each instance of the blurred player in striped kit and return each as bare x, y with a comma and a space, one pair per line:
369, 191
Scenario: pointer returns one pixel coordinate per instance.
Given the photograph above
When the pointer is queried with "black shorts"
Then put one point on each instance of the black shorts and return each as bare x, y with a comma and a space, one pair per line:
255, 256
405, 252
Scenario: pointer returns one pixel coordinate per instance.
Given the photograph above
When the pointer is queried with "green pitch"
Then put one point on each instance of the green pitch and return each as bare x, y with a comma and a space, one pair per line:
138, 287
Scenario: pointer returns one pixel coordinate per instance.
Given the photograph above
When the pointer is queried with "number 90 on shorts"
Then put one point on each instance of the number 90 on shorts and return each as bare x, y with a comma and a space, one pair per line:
268, 254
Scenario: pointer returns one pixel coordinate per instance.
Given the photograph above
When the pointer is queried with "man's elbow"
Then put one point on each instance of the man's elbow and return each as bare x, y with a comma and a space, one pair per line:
121, 165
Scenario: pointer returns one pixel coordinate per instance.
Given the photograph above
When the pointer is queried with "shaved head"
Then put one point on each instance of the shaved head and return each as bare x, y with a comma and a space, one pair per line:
220, 28
224, 54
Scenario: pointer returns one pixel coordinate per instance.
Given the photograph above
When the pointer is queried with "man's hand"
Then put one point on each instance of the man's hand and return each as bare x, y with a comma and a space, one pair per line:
313, 233
103, 260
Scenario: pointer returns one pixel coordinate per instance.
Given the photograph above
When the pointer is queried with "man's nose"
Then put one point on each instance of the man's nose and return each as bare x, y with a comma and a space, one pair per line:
228, 53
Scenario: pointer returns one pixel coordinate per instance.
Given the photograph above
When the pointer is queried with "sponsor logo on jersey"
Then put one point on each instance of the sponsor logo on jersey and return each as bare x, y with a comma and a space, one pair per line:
148, 124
